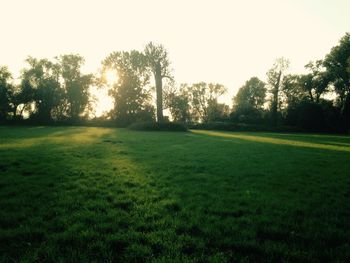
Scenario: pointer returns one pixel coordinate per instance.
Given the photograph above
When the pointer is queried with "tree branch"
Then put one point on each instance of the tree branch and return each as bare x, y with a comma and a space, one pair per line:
167, 76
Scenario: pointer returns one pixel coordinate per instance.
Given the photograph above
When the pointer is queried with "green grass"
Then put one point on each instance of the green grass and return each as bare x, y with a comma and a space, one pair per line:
77, 194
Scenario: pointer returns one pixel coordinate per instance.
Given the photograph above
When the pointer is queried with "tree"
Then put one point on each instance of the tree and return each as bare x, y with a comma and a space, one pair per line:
307, 115
158, 61
251, 94
249, 101
129, 93
5, 92
178, 103
76, 85
202, 97
316, 82
274, 79
41, 80
217, 111
337, 64
292, 90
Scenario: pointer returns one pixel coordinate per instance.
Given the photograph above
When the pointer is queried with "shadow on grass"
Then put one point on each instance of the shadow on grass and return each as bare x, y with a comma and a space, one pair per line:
73, 196
92, 194
261, 199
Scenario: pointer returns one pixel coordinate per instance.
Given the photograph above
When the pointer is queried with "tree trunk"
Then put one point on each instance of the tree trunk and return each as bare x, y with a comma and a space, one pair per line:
159, 92
318, 98
21, 112
14, 111
346, 111
311, 96
275, 99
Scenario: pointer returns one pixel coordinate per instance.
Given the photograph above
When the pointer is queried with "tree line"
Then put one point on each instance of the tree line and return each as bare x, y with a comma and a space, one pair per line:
316, 100
57, 91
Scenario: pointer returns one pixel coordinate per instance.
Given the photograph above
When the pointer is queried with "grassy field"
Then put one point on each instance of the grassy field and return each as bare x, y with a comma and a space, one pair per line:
75, 194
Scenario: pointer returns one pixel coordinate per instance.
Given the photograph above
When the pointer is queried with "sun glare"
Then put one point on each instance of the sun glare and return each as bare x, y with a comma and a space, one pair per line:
104, 102
111, 76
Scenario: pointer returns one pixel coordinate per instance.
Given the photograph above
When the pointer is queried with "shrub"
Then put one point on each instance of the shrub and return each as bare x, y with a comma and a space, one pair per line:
243, 127
157, 126
307, 115
248, 115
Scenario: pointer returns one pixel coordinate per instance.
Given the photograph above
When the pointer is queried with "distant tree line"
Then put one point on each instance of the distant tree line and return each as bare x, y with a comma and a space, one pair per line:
49, 90
318, 100
57, 91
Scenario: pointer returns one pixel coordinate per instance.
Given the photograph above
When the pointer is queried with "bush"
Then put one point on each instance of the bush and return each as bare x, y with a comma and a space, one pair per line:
158, 126
248, 115
243, 127
307, 115
332, 115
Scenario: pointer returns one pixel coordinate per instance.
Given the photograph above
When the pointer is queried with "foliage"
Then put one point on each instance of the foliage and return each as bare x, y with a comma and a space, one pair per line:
131, 100
252, 94
76, 85
158, 126
243, 127
308, 115
249, 101
292, 90
315, 83
217, 111
332, 115
275, 78
58, 91
178, 103
40, 83
337, 63
204, 100
55, 90
5, 92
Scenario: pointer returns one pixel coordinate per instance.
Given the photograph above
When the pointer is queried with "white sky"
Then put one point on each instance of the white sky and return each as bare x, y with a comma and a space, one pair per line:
214, 41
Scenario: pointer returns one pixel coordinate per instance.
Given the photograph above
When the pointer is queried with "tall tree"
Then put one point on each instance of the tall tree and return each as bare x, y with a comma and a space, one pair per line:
76, 84
131, 100
5, 92
251, 94
203, 96
217, 111
178, 102
158, 61
249, 100
42, 80
337, 63
274, 79
293, 89
316, 82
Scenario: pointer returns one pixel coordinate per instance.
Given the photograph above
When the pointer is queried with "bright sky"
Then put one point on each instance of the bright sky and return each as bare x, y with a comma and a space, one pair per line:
224, 41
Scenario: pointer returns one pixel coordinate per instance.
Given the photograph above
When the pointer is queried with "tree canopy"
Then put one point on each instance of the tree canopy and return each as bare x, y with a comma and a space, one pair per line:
58, 90
249, 100
131, 99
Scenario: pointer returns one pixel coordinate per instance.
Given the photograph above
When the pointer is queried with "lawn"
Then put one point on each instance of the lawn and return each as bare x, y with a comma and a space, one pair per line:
76, 194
